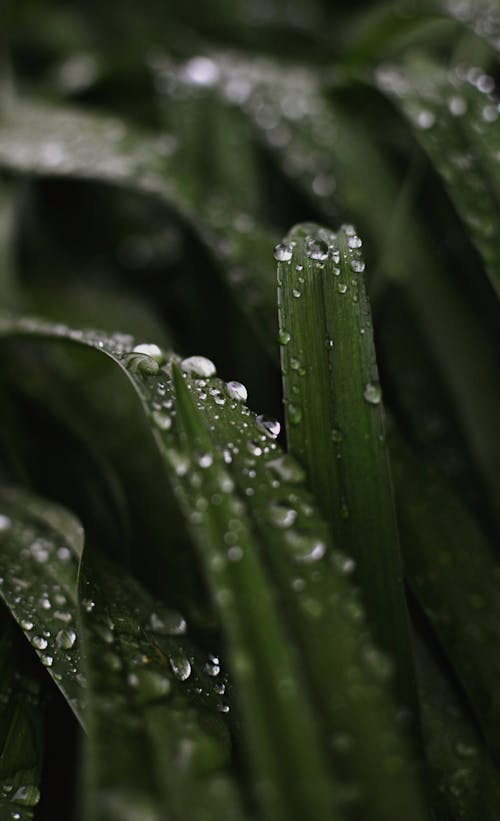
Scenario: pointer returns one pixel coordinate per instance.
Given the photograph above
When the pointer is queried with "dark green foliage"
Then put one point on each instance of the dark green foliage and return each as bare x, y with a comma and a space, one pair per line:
280, 609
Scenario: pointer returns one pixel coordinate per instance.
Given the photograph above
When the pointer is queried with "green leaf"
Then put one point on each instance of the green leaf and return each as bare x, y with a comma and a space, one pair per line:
323, 609
335, 422
455, 577
279, 725
22, 727
454, 116
63, 142
39, 572
157, 743
151, 696
464, 779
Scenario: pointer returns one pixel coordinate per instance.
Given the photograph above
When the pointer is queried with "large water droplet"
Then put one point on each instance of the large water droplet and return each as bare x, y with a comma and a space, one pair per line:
39, 642
271, 427
198, 366
236, 391
283, 252
151, 350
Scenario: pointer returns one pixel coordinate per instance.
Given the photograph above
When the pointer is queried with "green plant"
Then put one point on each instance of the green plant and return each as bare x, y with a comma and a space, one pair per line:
229, 618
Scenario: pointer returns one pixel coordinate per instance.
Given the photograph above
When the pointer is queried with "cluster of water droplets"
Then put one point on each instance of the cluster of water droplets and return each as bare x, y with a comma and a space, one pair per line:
44, 139
482, 16
38, 583
285, 104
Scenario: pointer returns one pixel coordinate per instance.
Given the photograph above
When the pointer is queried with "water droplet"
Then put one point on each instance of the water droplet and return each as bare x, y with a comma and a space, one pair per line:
354, 242
337, 435
270, 427
201, 71
282, 517
168, 624
283, 252
65, 639
357, 265
47, 661
372, 393
425, 119
343, 563
88, 605
198, 366
284, 338
181, 667
205, 460
296, 293
223, 708
28, 795
39, 642
236, 391
5, 523
341, 287
212, 666
151, 350
457, 106
317, 249
26, 624
235, 553
306, 549
162, 420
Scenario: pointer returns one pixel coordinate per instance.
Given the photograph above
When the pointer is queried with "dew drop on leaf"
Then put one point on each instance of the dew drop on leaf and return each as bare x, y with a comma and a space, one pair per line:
198, 366
270, 427
372, 393
283, 252
236, 391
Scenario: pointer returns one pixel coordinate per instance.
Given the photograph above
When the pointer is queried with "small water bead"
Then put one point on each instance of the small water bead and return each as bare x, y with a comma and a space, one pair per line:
26, 624
372, 393
178, 461
457, 106
39, 642
296, 293
235, 553
344, 564
425, 119
219, 687
306, 549
150, 350
317, 249
28, 795
284, 337
162, 420
236, 391
337, 435
380, 664
205, 460
65, 639
283, 252
5, 523
341, 287
270, 427
198, 366
212, 666
47, 661
357, 265
223, 708
181, 667
282, 517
